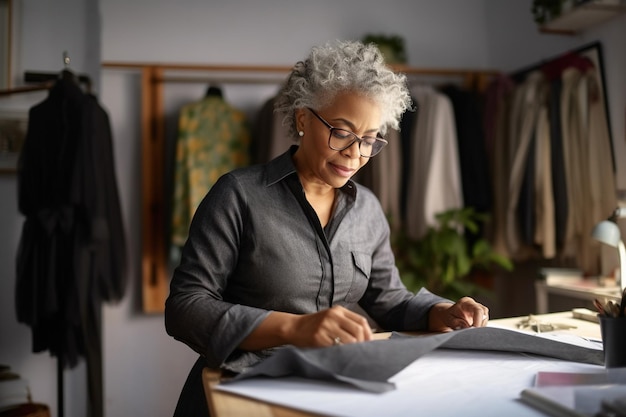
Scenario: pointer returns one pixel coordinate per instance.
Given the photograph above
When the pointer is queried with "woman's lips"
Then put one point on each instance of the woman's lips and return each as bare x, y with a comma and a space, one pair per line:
343, 171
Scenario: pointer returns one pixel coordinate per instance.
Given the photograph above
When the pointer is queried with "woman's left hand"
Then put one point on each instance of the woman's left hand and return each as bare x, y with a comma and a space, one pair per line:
465, 313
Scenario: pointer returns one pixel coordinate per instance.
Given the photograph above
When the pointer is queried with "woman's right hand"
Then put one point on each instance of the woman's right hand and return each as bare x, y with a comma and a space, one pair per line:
336, 325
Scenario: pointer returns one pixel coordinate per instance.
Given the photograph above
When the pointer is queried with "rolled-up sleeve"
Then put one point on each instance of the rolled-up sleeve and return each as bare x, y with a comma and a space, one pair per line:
195, 311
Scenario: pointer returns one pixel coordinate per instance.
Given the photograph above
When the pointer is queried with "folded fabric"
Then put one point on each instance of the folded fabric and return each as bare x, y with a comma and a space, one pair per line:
491, 338
369, 365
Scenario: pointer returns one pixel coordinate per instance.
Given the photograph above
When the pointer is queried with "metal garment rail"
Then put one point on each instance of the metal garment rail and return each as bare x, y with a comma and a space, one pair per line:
154, 264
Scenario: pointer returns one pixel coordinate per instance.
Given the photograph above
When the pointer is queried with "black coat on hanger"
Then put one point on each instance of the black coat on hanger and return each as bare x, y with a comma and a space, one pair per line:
72, 252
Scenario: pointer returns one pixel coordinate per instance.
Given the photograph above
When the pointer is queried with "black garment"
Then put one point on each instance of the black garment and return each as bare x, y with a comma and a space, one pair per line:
473, 158
72, 252
526, 204
192, 401
559, 182
262, 134
407, 125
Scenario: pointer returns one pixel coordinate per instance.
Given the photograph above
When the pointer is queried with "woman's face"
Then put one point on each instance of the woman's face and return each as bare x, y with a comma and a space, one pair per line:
315, 160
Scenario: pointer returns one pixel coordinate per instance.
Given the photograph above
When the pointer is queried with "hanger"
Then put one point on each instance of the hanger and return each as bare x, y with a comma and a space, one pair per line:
213, 91
553, 69
65, 74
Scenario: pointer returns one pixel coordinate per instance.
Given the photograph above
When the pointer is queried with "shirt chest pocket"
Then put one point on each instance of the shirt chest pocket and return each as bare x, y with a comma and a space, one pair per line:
361, 269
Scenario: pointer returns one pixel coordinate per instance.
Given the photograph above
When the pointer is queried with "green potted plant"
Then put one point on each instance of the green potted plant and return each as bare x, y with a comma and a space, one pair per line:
449, 256
392, 47
545, 10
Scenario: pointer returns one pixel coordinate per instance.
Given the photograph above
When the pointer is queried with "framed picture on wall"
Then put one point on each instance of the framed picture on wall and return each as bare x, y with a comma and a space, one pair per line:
13, 127
6, 34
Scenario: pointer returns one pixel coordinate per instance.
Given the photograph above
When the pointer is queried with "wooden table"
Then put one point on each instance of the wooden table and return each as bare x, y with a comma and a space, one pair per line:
223, 404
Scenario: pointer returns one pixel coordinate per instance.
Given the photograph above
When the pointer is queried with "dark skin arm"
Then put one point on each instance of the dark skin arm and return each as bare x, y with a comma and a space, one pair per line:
309, 330
464, 313
320, 329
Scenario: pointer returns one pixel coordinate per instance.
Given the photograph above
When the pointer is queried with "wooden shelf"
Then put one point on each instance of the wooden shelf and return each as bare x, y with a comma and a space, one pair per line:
582, 17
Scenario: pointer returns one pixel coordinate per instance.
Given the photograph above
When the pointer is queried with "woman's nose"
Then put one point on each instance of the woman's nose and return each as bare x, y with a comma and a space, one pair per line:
353, 151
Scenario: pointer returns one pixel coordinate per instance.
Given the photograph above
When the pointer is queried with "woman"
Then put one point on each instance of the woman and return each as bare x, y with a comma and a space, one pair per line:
282, 253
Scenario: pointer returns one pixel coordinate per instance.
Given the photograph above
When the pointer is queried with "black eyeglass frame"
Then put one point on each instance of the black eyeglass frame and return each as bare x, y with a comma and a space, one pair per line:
357, 138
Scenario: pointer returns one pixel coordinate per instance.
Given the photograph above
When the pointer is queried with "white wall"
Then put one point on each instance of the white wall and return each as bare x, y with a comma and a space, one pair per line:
144, 368
281, 31
43, 31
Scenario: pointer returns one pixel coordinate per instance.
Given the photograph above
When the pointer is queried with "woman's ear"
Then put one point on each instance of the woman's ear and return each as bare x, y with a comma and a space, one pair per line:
300, 120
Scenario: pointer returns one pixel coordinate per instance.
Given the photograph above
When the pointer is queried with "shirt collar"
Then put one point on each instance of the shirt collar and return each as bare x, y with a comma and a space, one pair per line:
282, 167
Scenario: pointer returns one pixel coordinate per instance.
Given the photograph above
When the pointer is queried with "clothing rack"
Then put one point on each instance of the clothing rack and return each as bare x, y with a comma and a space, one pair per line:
45, 80
155, 272
591, 55
520, 74
25, 89
50, 77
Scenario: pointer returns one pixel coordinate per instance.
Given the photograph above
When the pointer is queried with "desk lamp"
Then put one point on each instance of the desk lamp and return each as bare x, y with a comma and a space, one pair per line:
608, 232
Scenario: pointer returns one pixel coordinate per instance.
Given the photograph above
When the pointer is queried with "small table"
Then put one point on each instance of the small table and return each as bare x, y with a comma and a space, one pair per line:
579, 289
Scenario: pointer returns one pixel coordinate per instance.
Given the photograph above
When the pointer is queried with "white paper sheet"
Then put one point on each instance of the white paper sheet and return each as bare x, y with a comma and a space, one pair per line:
441, 383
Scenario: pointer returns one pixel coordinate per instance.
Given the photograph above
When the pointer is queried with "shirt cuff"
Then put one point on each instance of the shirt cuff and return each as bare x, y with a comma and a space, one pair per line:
416, 317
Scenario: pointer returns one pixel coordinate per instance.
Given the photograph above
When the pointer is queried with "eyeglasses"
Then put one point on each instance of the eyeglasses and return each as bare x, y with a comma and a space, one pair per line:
341, 139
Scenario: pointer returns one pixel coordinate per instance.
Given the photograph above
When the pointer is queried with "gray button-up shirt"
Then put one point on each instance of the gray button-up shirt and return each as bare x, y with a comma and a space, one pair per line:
256, 245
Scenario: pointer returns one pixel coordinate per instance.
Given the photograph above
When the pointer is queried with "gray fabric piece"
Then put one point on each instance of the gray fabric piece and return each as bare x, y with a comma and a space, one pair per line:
491, 338
369, 365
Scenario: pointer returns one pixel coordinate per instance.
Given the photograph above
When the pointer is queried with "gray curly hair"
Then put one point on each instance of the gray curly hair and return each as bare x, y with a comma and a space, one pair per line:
345, 66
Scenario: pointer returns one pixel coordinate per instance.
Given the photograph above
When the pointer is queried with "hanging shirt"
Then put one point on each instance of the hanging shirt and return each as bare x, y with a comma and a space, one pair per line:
527, 101
434, 183
383, 175
588, 163
213, 139
269, 137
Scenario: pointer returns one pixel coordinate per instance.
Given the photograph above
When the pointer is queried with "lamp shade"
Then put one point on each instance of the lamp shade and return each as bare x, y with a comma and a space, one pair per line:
607, 232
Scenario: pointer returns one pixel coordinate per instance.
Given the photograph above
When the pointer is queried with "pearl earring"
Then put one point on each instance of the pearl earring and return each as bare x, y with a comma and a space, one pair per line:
301, 133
